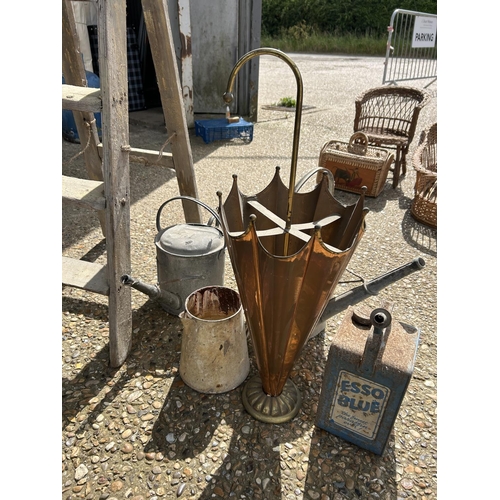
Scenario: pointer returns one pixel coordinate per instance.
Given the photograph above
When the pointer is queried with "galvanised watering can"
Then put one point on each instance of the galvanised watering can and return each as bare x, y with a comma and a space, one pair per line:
188, 257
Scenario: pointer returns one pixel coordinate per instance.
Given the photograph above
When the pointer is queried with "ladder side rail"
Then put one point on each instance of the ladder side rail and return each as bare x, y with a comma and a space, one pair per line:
116, 170
74, 74
159, 31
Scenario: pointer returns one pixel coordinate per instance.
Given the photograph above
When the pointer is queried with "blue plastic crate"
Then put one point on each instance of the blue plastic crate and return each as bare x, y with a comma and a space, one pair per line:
217, 130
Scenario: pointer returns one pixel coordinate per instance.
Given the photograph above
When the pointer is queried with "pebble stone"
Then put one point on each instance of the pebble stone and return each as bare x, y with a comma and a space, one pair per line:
139, 432
81, 472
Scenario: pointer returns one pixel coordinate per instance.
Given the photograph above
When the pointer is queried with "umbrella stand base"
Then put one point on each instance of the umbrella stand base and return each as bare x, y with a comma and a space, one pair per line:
271, 409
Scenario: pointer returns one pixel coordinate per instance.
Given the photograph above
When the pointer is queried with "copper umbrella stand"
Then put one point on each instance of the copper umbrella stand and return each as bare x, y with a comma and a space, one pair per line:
288, 251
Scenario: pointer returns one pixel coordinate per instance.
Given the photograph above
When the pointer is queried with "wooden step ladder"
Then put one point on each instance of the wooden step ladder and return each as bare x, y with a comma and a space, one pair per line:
107, 189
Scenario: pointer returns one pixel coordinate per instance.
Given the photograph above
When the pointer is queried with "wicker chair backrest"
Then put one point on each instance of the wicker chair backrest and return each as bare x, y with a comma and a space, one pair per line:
425, 156
389, 110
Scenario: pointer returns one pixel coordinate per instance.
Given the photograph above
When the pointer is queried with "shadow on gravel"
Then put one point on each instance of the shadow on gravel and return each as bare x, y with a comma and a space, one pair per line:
217, 427
78, 221
377, 204
416, 234
155, 343
211, 426
342, 460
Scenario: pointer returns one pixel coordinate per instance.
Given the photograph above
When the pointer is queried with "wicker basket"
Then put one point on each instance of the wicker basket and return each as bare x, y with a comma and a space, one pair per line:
356, 164
424, 205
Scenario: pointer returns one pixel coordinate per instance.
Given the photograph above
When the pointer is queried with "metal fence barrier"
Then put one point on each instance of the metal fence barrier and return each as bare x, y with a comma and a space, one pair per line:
411, 47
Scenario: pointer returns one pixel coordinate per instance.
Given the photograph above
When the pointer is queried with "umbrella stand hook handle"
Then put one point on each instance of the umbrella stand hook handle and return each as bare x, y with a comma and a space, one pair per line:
228, 97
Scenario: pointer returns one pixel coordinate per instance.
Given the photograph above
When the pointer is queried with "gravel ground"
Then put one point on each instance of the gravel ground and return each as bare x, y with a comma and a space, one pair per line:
138, 432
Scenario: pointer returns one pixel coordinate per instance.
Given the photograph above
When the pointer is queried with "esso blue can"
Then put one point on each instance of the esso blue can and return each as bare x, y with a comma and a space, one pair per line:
369, 368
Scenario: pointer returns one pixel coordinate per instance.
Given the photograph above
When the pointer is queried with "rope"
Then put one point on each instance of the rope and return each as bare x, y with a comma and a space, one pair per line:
168, 141
89, 126
146, 161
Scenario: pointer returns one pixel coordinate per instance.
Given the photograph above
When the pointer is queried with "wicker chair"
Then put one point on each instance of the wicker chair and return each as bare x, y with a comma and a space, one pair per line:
424, 205
388, 116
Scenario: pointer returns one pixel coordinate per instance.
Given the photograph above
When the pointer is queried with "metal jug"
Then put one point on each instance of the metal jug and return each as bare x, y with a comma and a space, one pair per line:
214, 353
188, 257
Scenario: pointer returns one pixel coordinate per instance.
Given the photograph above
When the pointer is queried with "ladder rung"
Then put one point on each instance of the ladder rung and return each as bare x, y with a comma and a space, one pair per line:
83, 192
150, 157
81, 98
85, 275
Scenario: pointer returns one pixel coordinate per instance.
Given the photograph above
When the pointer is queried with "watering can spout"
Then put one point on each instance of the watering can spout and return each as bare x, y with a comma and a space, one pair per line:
358, 294
167, 299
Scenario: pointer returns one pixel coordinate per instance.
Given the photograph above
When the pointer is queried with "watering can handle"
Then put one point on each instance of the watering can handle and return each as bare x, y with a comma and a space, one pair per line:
206, 207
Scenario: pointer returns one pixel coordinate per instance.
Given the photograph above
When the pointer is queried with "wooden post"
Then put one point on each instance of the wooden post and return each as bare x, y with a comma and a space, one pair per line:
249, 18
186, 76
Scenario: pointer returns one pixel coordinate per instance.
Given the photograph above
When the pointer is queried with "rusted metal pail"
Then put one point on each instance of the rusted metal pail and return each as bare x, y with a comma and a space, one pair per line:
214, 351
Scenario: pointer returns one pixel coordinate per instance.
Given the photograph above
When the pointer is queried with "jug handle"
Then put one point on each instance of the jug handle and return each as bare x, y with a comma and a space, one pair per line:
190, 198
